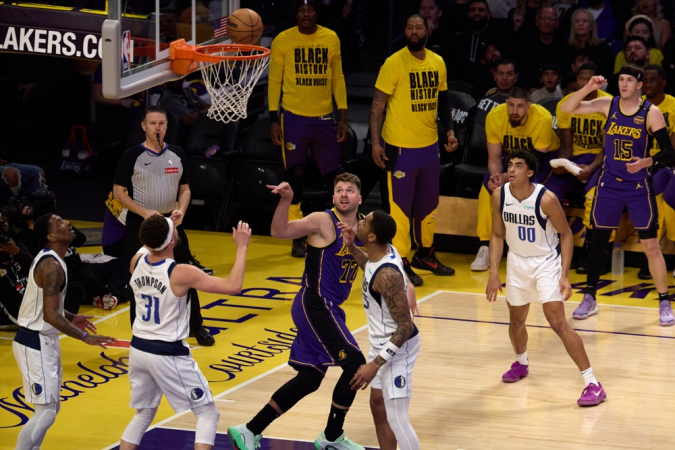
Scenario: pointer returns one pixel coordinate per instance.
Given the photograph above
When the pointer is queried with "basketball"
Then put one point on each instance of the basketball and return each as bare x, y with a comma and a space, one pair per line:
244, 26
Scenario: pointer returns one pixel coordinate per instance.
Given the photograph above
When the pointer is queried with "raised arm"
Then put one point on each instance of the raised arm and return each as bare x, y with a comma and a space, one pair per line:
376, 115
50, 277
185, 276
550, 206
575, 104
496, 247
282, 228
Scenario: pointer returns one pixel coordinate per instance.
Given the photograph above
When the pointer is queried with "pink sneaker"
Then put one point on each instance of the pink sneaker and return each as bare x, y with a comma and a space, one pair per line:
516, 372
592, 395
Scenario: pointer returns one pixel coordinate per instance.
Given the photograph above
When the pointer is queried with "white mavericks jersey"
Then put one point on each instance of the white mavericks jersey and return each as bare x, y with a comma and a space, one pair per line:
160, 315
380, 323
31, 314
528, 231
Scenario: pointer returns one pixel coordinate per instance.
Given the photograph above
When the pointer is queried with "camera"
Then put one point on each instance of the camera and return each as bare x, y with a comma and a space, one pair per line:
4, 238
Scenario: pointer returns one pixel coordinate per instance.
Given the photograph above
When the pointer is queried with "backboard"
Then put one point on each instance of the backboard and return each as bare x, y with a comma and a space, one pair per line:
135, 47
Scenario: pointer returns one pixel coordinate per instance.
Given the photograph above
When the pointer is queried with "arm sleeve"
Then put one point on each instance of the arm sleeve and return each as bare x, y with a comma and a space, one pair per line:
276, 76
545, 137
445, 110
564, 119
338, 81
667, 153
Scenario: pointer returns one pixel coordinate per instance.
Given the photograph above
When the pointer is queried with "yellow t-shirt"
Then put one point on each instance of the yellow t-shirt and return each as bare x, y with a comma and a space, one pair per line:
536, 133
655, 57
587, 129
412, 86
309, 69
667, 107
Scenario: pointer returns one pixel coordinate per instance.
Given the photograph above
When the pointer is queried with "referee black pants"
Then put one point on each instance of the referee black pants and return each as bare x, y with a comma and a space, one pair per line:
181, 254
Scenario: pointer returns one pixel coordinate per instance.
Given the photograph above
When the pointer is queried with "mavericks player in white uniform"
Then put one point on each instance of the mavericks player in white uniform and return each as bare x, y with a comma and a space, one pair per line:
528, 217
160, 361
388, 298
41, 317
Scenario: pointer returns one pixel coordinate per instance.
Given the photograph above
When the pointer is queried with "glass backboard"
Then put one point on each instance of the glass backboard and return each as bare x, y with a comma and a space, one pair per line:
135, 44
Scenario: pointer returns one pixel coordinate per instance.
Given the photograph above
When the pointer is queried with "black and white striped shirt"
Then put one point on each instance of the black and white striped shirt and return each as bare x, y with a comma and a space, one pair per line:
152, 179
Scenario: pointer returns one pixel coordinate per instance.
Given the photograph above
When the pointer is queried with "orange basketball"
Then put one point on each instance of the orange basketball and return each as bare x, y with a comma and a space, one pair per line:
244, 26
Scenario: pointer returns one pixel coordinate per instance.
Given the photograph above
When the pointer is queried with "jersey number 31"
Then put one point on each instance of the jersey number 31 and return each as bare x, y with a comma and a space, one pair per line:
152, 306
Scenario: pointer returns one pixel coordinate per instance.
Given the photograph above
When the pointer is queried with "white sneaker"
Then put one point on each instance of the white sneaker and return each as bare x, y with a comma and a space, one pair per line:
342, 443
482, 261
242, 438
567, 164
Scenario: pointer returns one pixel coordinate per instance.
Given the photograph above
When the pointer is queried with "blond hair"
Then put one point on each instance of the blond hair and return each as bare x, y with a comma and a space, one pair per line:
594, 40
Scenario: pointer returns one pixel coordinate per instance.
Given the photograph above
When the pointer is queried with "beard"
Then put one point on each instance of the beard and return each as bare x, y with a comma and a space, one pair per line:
515, 123
416, 46
478, 25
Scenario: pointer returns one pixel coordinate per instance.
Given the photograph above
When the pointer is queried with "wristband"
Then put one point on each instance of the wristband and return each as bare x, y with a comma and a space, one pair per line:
389, 351
274, 116
84, 336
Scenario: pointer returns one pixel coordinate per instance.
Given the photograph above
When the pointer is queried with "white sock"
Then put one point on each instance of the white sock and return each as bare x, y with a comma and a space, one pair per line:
522, 358
589, 377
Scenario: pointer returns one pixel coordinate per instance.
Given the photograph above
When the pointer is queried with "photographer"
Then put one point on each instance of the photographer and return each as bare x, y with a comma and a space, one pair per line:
102, 283
21, 210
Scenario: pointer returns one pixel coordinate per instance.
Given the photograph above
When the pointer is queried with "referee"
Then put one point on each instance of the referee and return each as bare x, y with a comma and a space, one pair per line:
151, 179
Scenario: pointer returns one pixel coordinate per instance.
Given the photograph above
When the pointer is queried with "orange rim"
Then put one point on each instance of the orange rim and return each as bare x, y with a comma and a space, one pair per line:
201, 52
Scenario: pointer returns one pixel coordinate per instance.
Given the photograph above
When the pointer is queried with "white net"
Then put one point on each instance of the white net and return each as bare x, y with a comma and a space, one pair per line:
230, 82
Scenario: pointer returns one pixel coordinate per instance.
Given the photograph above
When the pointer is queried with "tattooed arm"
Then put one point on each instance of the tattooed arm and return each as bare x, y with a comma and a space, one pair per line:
50, 277
390, 285
376, 115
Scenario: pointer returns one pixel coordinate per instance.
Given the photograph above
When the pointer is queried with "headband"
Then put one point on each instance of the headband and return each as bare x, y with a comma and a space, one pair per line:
168, 237
625, 70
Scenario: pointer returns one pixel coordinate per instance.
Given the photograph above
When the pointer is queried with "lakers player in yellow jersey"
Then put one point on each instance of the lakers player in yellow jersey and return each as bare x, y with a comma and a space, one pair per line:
581, 141
306, 65
664, 180
412, 83
515, 125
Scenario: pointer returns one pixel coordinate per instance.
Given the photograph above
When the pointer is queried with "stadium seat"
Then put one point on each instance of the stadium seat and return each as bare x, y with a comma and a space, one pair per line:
550, 104
460, 86
207, 132
210, 192
474, 163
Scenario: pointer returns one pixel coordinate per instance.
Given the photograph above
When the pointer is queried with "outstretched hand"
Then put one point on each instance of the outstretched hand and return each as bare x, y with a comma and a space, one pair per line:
82, 322
283, 189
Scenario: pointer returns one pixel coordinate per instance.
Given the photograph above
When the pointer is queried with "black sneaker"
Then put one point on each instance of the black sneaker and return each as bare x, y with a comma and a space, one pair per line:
415, 279
204, 338
432, 263
299, 248
644, 273
206, 270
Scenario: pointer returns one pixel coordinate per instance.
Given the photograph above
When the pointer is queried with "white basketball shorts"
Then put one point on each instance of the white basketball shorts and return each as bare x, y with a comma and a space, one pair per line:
395, 377
40, 368
533, 278
177, 377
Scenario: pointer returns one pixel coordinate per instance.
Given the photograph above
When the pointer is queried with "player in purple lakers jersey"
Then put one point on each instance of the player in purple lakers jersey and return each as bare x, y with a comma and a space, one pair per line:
624, 180
323, 339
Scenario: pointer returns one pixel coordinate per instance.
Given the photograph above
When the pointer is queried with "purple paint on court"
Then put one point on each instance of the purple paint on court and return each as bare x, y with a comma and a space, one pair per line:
170, 439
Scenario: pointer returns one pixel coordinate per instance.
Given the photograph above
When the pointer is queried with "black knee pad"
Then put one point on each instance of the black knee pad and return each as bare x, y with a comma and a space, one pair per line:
343, 394
304, 383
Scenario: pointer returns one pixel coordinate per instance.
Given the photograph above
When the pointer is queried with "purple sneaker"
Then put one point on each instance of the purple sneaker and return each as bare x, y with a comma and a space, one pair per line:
592, 395
586, 309
516, 372
666, 318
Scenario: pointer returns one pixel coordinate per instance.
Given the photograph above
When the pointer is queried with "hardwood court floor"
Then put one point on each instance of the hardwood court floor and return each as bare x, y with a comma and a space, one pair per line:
459, 400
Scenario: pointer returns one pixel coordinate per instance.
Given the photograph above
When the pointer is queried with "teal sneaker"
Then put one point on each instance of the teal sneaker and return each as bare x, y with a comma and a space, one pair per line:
342, 443
242, 438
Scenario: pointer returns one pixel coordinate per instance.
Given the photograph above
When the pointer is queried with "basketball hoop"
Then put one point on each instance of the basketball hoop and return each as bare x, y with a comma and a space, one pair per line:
230, 71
